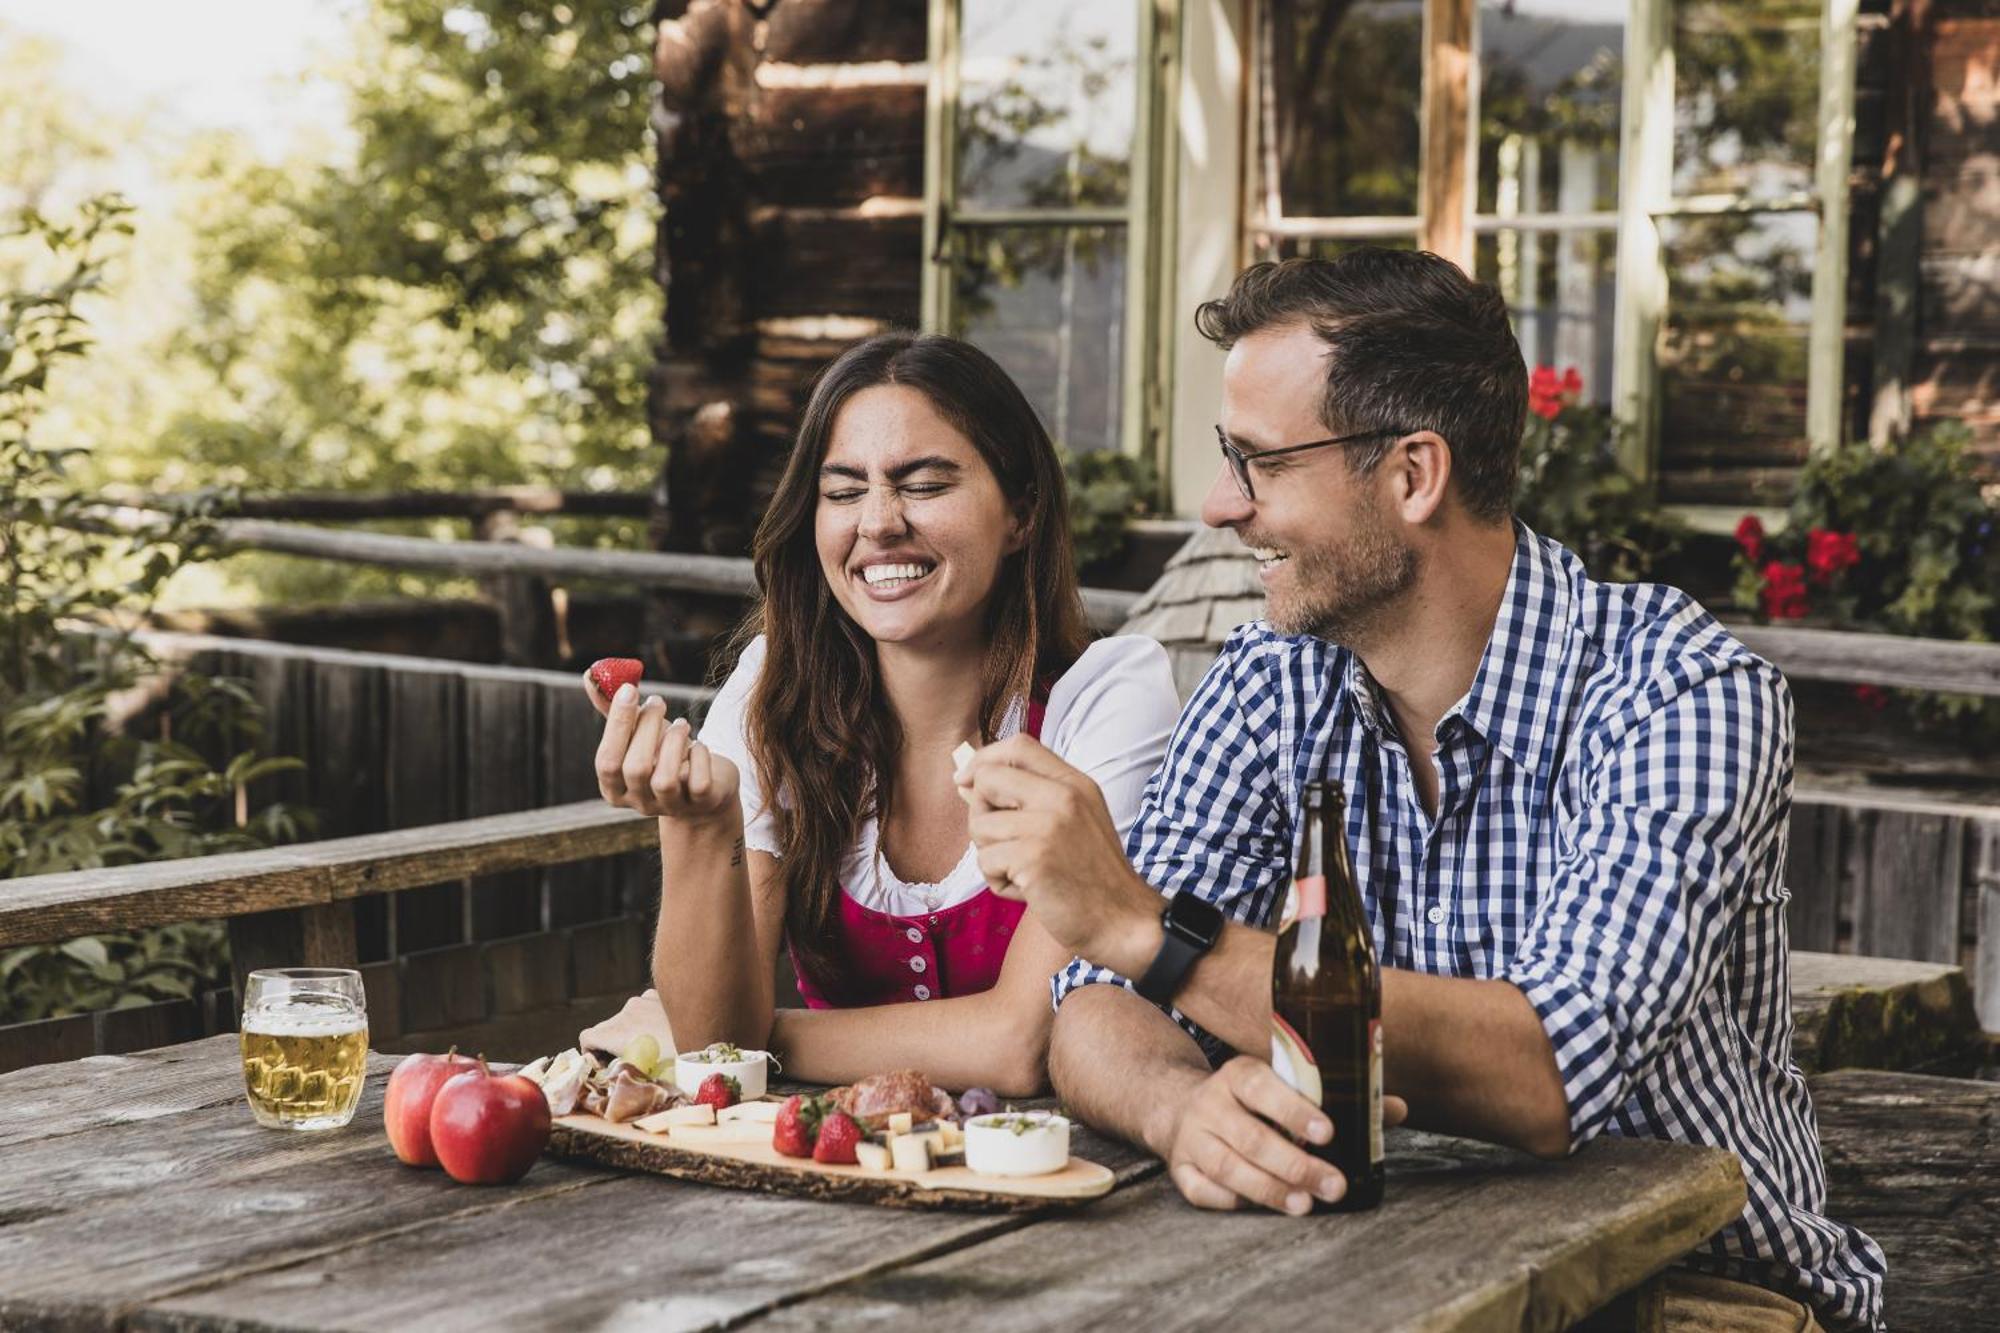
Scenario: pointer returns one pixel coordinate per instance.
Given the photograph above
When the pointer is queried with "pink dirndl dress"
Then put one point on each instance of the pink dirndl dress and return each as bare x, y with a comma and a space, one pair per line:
891, 959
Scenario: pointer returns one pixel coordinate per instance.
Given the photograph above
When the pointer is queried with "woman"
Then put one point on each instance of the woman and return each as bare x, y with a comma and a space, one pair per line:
919, 591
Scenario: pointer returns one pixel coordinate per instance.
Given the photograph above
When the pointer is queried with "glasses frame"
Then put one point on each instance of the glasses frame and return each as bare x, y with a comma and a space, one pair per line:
1239, 462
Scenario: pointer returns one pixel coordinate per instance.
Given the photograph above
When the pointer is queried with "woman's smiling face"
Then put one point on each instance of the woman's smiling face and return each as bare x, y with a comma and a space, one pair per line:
912, 527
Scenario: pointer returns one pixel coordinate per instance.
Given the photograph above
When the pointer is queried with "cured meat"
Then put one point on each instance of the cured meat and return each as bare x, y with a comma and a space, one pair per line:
872, 1100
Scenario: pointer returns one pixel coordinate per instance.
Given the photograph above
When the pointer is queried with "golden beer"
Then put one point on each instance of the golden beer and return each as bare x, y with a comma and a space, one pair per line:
304, 1038
302, 1067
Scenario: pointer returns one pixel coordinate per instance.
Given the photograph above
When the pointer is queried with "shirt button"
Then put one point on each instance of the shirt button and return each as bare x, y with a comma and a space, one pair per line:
922, 992
1435, 916
916, 936
917, 964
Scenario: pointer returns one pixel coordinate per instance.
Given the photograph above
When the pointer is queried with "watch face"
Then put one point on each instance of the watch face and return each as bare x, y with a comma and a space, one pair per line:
1195, 919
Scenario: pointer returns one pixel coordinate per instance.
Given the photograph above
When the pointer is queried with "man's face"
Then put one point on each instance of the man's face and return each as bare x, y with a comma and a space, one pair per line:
1331, 552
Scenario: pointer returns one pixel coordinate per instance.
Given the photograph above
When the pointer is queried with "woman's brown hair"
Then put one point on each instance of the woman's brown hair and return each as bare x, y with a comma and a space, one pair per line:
820, 731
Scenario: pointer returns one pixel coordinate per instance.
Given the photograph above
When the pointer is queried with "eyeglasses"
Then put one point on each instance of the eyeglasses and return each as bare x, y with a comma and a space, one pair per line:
1239, 462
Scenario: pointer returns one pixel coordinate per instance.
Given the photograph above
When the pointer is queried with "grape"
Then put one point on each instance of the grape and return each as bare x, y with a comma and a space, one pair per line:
643, 1051
978, 1101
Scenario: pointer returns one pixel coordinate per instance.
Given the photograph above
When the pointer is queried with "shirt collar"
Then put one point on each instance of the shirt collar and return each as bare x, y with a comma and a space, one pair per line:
1513, 695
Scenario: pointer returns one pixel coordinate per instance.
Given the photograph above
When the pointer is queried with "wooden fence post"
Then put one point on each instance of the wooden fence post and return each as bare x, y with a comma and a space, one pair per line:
321, 935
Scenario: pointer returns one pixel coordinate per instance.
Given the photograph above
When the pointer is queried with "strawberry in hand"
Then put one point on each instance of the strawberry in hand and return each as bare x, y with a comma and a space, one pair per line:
608, 673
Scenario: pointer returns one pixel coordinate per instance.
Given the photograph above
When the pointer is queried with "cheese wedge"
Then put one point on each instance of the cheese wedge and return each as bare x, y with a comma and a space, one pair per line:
909, 1152
872, 1156
660, 1121
757, 1113
900, 1122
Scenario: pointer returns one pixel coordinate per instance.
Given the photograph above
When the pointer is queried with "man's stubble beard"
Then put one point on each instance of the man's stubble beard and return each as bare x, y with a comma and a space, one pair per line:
1342, 593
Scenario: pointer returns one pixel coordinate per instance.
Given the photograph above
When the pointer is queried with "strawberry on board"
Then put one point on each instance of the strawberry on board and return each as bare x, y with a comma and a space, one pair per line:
608, 673
837, 1136
720, 1091
797, 1123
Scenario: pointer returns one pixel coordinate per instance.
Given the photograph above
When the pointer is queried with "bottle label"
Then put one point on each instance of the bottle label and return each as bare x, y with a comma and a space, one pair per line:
1375, 1090
1307, 899
1292, 1060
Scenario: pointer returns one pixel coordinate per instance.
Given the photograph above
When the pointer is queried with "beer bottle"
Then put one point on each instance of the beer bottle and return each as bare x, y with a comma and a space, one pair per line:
1326, 1000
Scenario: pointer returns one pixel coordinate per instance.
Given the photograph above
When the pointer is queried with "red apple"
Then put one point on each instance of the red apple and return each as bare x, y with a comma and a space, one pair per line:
488, 1129
406, 1110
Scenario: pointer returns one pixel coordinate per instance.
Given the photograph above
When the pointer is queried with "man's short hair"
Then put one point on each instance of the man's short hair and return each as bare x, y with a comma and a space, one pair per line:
1414, 345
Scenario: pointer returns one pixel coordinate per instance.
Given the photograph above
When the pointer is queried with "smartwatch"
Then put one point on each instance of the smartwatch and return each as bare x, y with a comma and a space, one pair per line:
1192, 925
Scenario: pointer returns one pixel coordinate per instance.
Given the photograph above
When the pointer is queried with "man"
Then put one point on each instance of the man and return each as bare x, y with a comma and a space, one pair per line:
1567, 808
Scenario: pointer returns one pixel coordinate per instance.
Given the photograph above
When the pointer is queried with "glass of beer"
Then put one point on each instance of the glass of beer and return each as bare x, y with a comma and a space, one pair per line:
305, 1046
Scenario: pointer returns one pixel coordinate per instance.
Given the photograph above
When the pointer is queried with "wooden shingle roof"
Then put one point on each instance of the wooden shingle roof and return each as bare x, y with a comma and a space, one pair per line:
1208, 588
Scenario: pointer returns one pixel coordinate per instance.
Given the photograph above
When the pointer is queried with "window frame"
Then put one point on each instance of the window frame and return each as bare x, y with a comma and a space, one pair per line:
1448, 179
1148, 228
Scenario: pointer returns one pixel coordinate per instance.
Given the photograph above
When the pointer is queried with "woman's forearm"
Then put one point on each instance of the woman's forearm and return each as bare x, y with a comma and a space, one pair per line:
987, 1040
712, 982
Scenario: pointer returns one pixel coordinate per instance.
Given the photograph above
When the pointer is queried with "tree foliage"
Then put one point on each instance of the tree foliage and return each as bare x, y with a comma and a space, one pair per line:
106, 756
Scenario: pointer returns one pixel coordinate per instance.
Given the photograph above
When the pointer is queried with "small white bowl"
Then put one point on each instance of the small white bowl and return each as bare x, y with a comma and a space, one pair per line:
1017, 1143
749, 1072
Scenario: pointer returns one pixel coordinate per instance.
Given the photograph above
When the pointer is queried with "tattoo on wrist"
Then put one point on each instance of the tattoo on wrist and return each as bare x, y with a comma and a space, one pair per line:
736, 853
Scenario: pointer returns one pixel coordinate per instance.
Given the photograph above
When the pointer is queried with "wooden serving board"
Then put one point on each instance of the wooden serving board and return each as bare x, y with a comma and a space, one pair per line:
739, 1155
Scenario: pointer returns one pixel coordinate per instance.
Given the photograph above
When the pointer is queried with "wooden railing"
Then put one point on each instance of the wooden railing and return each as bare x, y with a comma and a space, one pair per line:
294, 906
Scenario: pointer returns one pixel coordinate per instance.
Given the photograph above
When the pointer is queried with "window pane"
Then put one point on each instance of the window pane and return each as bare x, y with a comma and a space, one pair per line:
1046, 103
1733, 351
1047, 303
1562, 290
1746, 97
1550, 82
1347, 82
1267, 246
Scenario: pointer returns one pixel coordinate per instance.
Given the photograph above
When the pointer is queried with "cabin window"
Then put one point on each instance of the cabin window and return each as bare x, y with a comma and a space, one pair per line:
1039, 222
1659, 188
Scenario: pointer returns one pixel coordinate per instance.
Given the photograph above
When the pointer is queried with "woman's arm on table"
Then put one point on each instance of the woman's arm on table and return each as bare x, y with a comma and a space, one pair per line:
996, 1039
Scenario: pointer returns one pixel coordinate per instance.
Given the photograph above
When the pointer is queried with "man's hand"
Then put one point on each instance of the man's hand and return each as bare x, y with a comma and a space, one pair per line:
1046, 837
1226, 1150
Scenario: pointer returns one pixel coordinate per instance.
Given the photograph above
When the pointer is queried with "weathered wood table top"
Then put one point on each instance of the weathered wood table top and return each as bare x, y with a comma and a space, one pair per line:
138, 1193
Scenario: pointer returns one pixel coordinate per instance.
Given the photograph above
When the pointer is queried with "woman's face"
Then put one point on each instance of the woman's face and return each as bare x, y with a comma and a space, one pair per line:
911, 526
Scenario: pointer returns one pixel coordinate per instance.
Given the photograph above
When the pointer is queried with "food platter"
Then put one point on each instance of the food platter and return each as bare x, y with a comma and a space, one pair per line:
737, 1154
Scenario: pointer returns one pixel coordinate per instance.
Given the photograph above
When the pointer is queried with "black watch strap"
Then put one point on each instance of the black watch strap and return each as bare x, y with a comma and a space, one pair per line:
1190, 926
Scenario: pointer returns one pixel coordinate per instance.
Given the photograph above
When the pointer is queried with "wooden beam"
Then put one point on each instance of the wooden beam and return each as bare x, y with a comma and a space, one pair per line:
39, 909
1899, 227
1826, 355
720, 574
1446, 173
351, 505
1877, 659
1646, 170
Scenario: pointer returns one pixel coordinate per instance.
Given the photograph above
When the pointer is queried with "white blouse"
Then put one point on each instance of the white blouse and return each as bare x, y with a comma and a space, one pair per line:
1109, 715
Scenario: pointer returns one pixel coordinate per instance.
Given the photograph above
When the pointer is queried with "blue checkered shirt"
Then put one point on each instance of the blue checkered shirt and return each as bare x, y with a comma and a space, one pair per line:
1613, 797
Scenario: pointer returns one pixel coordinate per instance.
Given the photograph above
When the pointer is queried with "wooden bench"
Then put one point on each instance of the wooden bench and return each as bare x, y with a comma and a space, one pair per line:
1914, 1161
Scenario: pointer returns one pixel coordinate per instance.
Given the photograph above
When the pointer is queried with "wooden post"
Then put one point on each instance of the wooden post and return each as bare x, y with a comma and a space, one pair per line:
1826, 355
1986, 960
1447, 128
321, 935
527, 618
1899, 228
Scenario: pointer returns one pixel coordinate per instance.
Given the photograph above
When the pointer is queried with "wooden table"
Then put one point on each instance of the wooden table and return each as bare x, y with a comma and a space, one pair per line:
138, 1193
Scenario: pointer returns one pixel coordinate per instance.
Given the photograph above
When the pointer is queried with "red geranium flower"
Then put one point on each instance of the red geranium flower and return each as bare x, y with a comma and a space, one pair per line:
1750, 536
1784, 591
1827, 553
1874, 696
1545, 393
1572, 384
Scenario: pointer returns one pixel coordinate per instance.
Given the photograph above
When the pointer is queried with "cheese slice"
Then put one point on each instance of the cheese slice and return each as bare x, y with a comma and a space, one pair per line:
701, 1113
758, 1113
911, 1152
